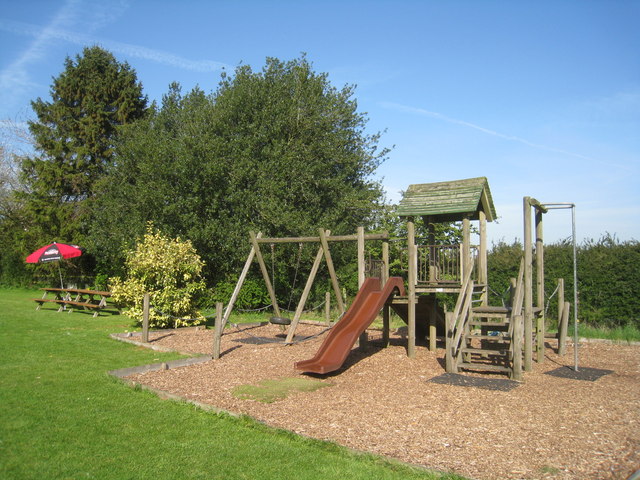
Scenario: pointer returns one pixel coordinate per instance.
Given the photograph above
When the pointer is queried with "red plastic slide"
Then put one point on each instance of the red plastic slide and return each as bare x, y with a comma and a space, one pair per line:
336, 347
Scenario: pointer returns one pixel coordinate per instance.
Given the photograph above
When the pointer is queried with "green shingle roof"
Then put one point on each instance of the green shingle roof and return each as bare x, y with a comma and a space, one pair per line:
449, 201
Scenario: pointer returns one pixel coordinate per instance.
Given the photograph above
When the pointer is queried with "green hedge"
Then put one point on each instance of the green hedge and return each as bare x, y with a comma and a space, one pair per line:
608, 278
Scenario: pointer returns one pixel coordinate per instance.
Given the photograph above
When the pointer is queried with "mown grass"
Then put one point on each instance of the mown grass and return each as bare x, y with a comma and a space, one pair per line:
62, 416
271, 390
627, 333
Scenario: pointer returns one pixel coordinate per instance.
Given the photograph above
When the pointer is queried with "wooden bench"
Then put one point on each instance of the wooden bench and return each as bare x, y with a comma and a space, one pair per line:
70, 298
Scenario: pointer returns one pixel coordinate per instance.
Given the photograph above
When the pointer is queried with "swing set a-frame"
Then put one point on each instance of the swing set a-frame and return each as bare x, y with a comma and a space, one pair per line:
324, 238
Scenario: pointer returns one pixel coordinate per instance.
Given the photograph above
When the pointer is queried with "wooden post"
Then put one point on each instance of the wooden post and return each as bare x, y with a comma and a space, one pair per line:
243, 275
517, 348
364, 339
145, 317
466, 245
265, 273
327, 307
450, 364
562, 328
385, 262
331, 269
431, 240
560, 302
512, 291
432, 278
483, 276
305, 294
386, 311
361, 265
411, 300
539, 287
528, 293
432, 322
217, 333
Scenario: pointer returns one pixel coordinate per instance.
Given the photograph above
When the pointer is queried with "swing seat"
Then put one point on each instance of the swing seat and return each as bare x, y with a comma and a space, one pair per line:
280, 320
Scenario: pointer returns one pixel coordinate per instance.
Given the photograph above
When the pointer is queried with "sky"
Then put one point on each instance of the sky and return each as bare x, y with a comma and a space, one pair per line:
541, 97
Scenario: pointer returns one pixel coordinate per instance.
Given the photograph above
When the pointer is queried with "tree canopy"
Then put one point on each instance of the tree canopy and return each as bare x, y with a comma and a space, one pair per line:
280, 150
74, 138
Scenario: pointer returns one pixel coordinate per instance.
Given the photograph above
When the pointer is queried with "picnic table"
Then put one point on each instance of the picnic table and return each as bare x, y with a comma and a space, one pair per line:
70, 298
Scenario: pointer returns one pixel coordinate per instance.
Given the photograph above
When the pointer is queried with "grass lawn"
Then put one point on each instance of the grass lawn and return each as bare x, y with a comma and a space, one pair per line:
62, 416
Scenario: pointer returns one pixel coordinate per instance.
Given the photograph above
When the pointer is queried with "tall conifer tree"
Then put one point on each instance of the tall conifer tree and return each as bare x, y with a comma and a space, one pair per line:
74, 136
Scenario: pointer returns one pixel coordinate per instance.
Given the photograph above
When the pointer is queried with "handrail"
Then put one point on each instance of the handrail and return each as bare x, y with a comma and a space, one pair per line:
458, 318
442, 264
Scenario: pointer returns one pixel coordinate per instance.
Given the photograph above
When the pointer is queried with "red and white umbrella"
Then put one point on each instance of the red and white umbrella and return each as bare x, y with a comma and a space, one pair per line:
54, 251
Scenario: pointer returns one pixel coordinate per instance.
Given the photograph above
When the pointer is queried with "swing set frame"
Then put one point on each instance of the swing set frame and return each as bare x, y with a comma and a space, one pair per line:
323, 238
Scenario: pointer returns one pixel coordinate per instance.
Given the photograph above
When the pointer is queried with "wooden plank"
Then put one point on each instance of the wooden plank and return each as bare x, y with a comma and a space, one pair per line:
330, 238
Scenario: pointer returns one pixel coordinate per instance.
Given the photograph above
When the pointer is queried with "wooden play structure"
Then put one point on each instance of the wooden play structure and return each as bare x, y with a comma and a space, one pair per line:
477, 336
324, 238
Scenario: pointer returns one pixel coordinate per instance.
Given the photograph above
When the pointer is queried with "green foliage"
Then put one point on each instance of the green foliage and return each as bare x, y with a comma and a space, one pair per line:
170, 271
608, 278
74, 136
253, 293
280, 151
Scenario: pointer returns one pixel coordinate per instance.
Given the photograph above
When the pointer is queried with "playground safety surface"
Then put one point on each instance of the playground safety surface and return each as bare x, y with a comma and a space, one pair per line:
548, 427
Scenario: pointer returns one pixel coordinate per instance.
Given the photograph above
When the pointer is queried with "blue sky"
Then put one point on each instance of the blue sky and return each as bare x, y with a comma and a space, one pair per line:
541, 97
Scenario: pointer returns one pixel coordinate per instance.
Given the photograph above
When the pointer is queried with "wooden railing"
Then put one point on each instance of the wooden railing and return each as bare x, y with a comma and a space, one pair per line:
457, 322
442, 264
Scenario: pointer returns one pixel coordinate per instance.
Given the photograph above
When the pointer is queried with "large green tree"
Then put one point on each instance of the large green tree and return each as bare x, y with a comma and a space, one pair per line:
74, 136
280, 150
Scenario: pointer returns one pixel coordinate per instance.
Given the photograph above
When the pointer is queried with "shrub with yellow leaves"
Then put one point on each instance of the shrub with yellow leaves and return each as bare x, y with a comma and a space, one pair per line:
170, 271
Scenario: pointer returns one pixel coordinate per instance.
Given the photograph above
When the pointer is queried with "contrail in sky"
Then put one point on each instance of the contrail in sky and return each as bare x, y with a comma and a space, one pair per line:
136, 51
439, 116
15, 76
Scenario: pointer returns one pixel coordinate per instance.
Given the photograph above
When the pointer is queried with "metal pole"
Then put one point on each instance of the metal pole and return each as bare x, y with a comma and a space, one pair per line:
575, 289
572, 206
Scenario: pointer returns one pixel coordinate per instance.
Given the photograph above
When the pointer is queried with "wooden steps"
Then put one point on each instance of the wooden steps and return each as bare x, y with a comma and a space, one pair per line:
484, 367
481, 351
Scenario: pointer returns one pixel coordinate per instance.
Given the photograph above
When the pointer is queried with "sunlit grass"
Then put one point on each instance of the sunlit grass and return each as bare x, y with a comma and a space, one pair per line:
63, 416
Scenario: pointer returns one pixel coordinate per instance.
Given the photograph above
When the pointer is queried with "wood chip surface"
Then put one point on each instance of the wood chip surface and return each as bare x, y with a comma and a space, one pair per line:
381, 402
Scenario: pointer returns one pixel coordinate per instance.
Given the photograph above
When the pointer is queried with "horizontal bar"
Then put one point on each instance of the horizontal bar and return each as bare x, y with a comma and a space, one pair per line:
560, 205
334, 238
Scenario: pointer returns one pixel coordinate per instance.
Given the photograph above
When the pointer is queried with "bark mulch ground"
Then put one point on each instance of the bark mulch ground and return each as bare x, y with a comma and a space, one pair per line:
548, 427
